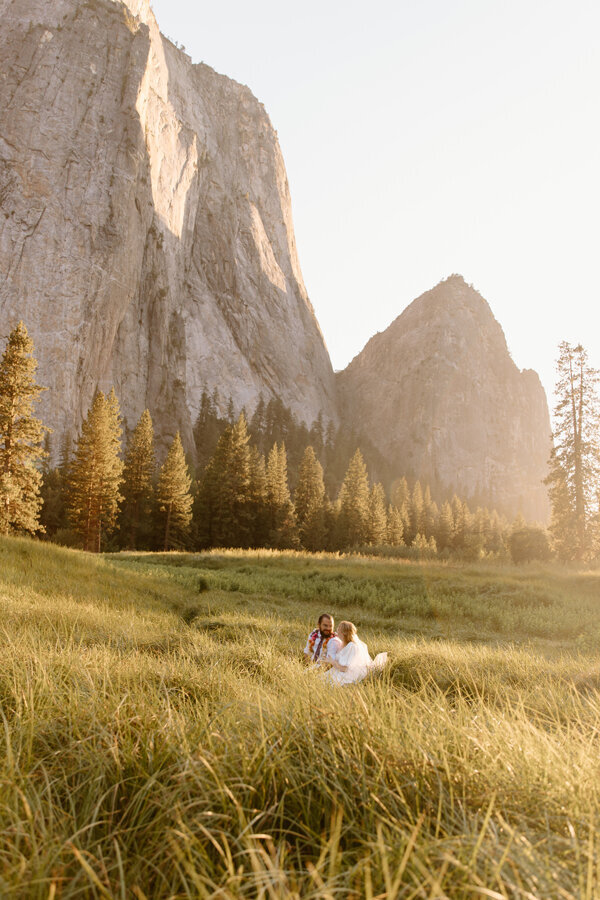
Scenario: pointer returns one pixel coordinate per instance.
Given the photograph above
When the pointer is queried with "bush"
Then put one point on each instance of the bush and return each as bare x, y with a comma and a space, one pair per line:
528, 544
67, 538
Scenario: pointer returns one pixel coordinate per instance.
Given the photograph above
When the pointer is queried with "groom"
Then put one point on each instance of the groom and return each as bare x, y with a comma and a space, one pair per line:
323, 643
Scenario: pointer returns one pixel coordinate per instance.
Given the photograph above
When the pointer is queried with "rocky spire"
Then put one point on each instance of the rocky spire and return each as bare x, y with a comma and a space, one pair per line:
440, 396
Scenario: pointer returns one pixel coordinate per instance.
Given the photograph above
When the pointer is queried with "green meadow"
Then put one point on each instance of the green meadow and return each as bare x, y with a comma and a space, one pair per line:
161, 737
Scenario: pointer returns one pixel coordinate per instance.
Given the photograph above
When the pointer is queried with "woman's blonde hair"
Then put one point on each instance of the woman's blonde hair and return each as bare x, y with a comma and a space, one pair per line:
347, 631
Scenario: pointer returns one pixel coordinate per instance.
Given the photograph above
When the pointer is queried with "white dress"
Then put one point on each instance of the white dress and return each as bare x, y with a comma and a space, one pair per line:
355, 655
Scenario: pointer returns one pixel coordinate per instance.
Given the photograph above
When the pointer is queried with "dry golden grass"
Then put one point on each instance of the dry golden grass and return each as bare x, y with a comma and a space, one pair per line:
161, 737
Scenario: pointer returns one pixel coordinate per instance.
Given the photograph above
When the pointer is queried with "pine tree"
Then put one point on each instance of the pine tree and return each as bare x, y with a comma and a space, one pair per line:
230, 411
173, 497
562, 527
458, 530
309, 501
317, 434
475, 537
430, 513
405, 517
283, 533
21, 437
575, 459
420, 545
416, 511
208, 428
377, 516
224, 508
484, 526
354, 503
96, 472
445, 527
497, 528
258, 507
54, 515
400, 493
138, 473
395, 527
66, 453
461, 519
258, 422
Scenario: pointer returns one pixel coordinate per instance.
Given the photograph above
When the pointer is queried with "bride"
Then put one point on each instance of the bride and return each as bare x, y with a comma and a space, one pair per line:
352, 661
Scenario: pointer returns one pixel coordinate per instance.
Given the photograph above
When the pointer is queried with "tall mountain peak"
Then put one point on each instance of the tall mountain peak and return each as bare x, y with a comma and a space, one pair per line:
440, 396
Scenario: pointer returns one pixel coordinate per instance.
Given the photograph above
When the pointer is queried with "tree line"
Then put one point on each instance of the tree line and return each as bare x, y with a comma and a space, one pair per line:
270, 481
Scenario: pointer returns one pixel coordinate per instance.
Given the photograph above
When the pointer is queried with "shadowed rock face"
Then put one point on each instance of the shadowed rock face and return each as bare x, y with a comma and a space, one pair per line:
440, 396
146, 233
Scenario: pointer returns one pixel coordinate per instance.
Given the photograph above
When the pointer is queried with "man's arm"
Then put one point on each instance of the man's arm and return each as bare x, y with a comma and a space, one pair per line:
307, 653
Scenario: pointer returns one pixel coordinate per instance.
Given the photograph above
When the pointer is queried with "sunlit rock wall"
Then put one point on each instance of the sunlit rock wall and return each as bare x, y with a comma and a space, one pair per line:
146, 235
440, 396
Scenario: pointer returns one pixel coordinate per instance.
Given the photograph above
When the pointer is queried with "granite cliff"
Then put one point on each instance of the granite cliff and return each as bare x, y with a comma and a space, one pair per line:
146, 240
441, 398
146, 234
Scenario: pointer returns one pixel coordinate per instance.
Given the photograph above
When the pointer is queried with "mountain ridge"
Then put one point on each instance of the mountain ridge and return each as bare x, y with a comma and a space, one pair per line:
414, 391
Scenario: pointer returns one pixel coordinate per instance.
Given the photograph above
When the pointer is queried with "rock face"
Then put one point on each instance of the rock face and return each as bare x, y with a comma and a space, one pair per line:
146, 241
146, 236
440, 396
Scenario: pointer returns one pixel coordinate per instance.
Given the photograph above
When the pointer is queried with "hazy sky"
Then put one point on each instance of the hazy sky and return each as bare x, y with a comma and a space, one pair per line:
426, 137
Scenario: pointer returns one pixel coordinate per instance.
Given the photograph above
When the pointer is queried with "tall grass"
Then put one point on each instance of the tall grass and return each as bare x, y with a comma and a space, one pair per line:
161, 737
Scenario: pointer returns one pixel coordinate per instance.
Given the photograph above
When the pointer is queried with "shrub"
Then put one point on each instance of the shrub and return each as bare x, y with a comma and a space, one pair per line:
528, 544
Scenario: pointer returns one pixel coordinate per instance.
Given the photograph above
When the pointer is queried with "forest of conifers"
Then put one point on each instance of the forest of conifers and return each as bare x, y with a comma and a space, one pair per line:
273, 482
270, 483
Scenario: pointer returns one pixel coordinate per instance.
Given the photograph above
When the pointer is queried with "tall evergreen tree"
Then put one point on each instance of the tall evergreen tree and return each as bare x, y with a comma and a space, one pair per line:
400, 493
138, 474
445, 527
377, 516
416, 513
283, 533
230, 411
395, 527
258, 504
224, 508
309, 501
21, 437
497, 529
257, 422
317, 435
462, 525
96, 473
354, 503
208, 428
563, 523
54, 515
173, 497
575, 459
430, 513
66, 453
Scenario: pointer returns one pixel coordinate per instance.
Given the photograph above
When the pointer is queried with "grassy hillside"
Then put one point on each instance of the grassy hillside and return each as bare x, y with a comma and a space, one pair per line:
161, 737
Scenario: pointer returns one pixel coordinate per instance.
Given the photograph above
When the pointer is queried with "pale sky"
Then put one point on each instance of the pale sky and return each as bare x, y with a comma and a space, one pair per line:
426, 137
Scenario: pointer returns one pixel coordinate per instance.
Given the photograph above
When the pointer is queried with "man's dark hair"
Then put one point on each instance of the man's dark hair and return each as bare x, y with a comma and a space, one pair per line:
325, 616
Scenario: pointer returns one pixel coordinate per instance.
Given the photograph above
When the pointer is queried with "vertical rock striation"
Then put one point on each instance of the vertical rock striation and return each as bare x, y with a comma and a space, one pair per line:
441, 398
146, 235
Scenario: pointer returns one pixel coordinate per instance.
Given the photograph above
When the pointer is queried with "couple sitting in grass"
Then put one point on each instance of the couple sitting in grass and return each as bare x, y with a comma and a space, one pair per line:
341, 652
